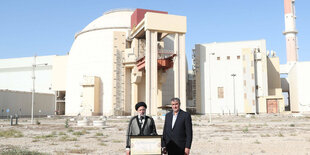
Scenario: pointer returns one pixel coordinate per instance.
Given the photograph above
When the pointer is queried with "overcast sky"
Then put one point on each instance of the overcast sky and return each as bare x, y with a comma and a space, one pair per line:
47, 27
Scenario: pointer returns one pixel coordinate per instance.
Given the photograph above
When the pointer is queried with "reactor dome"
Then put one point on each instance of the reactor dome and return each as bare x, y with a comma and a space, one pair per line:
109, 20
93, 55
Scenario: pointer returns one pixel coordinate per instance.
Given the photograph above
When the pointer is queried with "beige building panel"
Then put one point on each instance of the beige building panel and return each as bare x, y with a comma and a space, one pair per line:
168, 23
128, 92
141, 88
97, 107
293, 87
262, 105
91, 96
274, 81
247, 107
59, 73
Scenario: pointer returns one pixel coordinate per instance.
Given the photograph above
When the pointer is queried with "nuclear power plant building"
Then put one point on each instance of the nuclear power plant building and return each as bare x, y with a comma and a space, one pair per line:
237, 78
126, 56
122, 57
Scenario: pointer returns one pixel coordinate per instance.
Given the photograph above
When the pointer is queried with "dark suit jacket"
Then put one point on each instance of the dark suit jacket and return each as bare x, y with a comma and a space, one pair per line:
182, 131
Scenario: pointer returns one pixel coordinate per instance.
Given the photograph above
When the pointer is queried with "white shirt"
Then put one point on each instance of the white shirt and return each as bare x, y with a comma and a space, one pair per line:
175, 116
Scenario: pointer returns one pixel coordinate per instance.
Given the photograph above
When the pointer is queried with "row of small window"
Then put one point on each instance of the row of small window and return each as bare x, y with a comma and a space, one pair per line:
228, 57
220, 92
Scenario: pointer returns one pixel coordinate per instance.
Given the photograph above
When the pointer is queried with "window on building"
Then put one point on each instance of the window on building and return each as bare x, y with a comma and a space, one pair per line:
253, 89
244, 70
244, 82
218, 58
128, 44
220, 92
238, 57
243, 57
253, 76
228, 57
245, 96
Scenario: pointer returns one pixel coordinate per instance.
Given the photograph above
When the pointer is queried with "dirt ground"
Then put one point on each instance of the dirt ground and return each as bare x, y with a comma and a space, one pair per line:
248, 134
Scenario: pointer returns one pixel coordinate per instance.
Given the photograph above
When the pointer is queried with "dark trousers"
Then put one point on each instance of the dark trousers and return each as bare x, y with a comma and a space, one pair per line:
173, 149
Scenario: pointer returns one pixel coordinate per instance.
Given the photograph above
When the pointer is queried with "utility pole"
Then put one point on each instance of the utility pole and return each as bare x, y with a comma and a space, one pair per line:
233, 75
34, 65
210, 108
33, 86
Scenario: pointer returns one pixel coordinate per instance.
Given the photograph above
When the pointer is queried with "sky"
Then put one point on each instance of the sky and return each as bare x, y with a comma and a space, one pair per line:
47, 27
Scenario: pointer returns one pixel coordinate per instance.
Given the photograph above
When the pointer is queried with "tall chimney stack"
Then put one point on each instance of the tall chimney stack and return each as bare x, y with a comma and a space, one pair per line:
290, 31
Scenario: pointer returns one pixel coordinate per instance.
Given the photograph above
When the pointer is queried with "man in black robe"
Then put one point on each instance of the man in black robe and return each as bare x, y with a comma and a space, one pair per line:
140, 125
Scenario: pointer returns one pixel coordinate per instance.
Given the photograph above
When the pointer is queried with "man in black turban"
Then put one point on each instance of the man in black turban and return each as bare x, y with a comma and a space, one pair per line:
140, 125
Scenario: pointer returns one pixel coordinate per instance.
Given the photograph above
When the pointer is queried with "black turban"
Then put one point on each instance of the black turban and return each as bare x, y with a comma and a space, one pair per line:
139, 104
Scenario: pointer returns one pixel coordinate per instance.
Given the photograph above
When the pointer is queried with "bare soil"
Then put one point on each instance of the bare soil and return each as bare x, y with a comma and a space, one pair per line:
251, 134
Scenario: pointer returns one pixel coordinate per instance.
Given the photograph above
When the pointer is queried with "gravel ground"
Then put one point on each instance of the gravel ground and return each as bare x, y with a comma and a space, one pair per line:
248, 134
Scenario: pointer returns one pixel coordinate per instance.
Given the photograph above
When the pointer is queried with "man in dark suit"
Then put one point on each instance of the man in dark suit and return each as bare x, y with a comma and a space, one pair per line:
177, 132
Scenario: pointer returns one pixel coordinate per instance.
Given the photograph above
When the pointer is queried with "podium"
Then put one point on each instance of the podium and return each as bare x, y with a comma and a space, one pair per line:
146, 145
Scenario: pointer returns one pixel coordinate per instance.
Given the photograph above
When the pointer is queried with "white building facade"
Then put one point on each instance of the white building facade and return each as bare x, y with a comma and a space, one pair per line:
231, 77
16, 76
298, 78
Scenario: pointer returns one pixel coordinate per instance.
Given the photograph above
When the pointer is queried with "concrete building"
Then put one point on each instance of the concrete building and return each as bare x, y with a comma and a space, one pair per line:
295, 84
16, 76
122, 57
113, 64
295, 73
298, 87
233, 77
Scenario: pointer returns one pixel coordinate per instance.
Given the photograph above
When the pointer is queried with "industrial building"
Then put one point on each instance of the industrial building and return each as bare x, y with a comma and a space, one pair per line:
113, 64
295, 73
19, 77
242, 77
126, 56
237, 77
122, 57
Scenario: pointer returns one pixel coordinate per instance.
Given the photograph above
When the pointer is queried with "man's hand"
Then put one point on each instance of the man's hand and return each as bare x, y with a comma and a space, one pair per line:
127, 152
186, 151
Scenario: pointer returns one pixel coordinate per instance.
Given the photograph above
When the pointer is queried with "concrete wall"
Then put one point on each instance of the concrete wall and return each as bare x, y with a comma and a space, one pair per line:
299, 87
168, 85
274, 82
16, 74
200, 57
167, 88
303, 86
214, 71
294, 88
20, 103
251, 70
